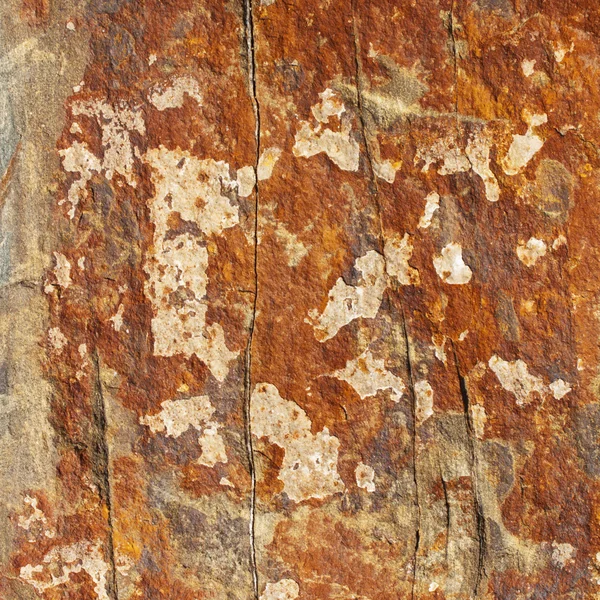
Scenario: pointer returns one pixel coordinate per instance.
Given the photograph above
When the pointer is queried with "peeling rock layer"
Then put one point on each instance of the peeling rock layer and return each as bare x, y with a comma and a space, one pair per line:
299, 300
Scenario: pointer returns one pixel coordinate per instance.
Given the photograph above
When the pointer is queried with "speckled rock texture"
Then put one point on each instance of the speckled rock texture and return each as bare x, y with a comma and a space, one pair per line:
299, 300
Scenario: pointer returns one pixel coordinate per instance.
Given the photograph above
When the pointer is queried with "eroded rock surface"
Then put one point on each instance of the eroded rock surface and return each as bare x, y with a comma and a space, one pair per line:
299, 300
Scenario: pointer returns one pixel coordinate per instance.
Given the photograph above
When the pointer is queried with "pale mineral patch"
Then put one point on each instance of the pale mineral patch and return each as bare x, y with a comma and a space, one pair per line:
213, 447
524, 147
528, 67
117, 123
309, 468
559, 389
177, 266
398, 252
529, 252
36, 519
560, 51
432, 203
225, 482
450, 266
246, 180
446, 151
424, 400
367, 375
284, 589
172, 94
364, 477
562, 554
478, 154
117, 318
561, 240
515, 378
177, 416
340, 147
385, 170
438, 344
347, 302
479, 419
58, 564
78, 159
267, 161
57, 339
62, 270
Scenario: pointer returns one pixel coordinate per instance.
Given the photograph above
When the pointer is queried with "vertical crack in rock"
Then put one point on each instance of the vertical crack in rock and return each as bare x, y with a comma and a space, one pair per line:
101, 469
447, 506
251, 65
479, 514
413, 395
451, 27
359, 95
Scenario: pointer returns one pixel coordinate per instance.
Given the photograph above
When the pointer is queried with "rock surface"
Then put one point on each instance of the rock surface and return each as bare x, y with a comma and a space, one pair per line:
299, 300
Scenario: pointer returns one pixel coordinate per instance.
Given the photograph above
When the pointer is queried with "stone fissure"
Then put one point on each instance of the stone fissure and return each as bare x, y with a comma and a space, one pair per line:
101, 469
251, 65
479, 512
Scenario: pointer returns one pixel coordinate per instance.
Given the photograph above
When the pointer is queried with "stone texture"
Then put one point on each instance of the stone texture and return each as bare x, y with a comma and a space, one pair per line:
299, 300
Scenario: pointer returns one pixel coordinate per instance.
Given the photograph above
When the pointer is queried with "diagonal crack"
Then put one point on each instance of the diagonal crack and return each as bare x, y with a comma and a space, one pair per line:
251, 65
101, 469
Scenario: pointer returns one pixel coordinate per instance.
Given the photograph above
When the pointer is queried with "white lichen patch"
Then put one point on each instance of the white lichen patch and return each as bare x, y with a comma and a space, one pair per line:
385, 170
348, 302
524, 147
515, 378
364, 477
529, 252
367, 375
559, 389
191, 190
246, 180
479, 419
560, 51
172, 94
62, 273
562, 554
561, 240
432, 203
117, 318
284, 589
340, 147
451, 267
424, 400
266, 162
446, 151
478, 154
398, 252
36, 522
309, 468
528, 67
177, 416
57, 339
58, 565
117, 123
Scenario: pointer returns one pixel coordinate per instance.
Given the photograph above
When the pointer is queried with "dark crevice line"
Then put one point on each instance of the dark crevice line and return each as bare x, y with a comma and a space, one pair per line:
101, 469
251, 65
479, 511
448, 522
411, 386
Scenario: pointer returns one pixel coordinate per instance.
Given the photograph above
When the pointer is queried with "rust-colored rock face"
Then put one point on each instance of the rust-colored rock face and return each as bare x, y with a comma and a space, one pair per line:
299, 300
